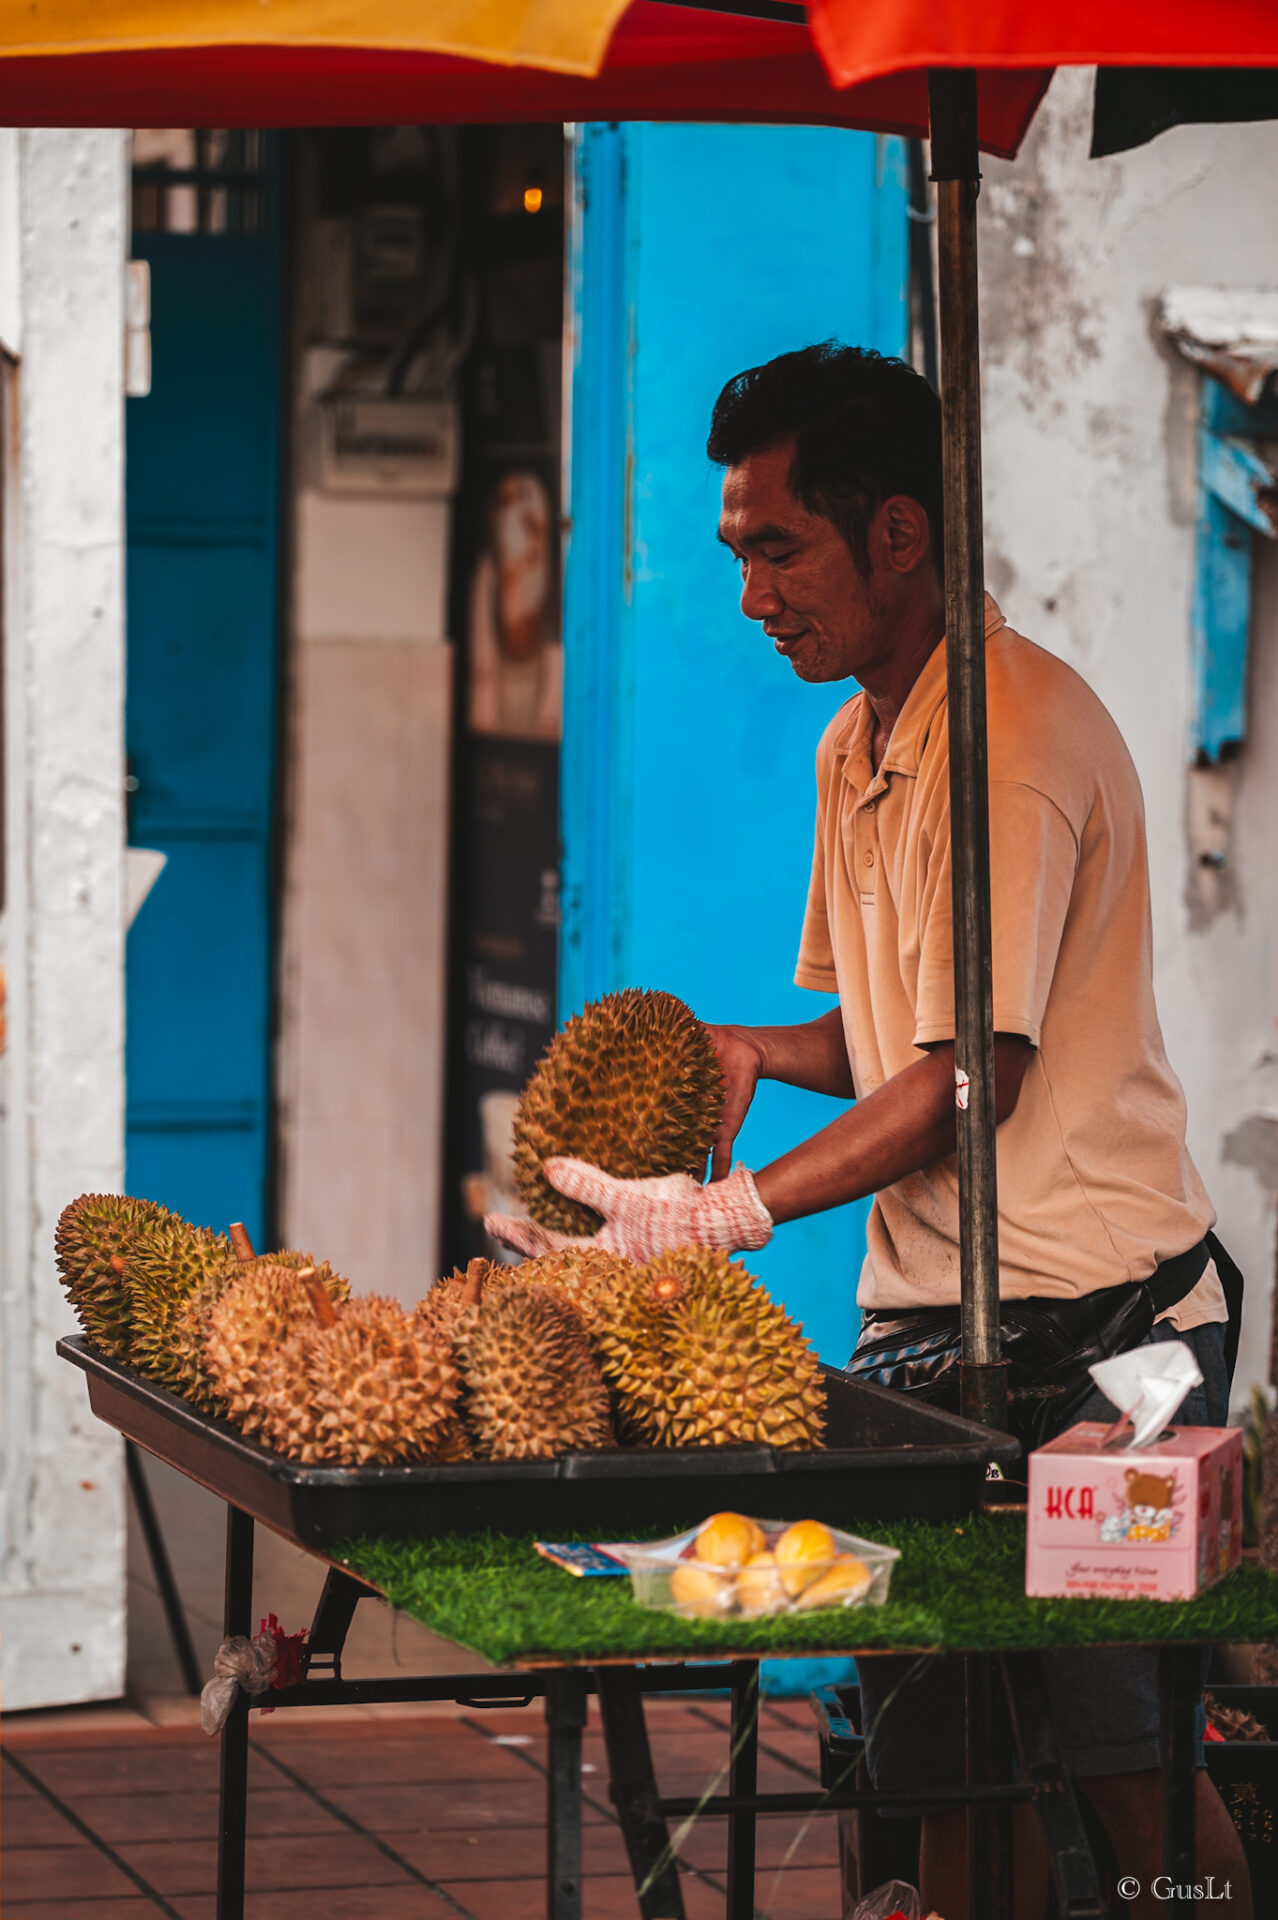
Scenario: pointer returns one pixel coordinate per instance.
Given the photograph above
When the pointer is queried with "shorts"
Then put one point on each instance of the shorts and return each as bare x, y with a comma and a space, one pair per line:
1104, 1699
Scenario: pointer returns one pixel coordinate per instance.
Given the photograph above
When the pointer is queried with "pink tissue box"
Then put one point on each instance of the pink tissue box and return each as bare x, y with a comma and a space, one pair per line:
1158, 1524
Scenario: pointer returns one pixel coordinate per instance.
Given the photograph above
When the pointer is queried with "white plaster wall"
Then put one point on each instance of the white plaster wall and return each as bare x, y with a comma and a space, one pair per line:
362, 990
1089, 464
62, 1524
360, 1064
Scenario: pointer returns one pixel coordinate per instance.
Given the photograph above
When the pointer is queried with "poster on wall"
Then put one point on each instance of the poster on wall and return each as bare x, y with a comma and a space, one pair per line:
506, 613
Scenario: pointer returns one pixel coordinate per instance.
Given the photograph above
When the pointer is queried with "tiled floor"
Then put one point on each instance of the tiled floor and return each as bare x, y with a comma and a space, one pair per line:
390, 1815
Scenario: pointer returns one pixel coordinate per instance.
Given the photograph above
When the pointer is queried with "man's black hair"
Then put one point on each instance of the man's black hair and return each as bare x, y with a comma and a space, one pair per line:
864, 428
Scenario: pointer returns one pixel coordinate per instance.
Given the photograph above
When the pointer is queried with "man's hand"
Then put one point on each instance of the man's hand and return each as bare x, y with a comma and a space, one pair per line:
742, 1062
643, 1218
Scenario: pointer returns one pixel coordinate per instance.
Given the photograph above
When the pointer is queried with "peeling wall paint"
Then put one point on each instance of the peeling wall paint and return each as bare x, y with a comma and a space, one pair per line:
62, 1574
1090, 428
1254, 1144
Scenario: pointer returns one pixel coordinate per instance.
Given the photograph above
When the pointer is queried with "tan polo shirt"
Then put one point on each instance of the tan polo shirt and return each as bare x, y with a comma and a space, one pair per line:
1095, 1185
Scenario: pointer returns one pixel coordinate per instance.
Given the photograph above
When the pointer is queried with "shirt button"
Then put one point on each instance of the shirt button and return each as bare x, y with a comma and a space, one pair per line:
868, 807
869, 859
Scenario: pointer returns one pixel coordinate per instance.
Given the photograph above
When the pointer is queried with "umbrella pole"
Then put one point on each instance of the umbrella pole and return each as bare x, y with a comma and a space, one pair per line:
956, 170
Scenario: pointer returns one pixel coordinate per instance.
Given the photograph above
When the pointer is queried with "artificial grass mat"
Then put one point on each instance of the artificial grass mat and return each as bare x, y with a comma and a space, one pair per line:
959, 1585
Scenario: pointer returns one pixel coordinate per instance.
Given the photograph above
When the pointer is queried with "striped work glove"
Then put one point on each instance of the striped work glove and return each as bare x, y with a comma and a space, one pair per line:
643, 1218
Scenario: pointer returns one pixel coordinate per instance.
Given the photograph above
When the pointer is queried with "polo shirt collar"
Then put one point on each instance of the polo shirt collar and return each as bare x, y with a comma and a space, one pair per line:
926, 697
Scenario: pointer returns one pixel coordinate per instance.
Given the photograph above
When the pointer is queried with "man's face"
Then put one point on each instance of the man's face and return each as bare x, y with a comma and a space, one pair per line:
799, 579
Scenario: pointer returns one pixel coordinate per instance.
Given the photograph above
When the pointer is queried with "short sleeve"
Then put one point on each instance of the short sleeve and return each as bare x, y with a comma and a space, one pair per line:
1033, 863
816, 955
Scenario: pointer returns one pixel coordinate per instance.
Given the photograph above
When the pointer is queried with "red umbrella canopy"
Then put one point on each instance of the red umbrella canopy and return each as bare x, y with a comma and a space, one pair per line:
328, 63
858, 63
861, 39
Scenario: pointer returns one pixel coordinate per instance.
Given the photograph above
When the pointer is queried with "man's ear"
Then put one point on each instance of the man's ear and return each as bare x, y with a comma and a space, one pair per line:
901, 526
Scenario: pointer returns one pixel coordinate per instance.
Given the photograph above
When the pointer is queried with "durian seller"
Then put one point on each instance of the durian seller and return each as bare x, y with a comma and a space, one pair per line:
831, 505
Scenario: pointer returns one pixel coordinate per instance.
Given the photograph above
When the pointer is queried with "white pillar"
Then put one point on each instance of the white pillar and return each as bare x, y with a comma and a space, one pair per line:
62, 1574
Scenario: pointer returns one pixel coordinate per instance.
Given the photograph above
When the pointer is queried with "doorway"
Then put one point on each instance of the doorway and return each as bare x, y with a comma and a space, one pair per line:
202, 499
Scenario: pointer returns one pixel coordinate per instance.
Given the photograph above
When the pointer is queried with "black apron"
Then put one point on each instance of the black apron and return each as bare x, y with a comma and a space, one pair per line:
1049, 1344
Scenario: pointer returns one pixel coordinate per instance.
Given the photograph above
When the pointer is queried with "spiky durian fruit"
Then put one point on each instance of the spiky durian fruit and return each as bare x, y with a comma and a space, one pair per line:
456, 1294
697, 1354
190, 1373
250, 1318
161, 1274
96, 1238
377, 1386
633, 1085
531, 1387
191, 1377
579, 1273
585, 1274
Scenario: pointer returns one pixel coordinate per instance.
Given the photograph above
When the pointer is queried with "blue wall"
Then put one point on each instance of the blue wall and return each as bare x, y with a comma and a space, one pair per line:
203, 496
689, 790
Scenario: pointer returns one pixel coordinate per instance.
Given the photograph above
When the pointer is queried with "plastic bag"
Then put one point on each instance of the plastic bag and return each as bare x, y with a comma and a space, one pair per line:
239, 1662
894, 1900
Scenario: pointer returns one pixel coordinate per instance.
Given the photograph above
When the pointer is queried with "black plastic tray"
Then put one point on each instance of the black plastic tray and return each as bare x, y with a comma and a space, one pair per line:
886, 1457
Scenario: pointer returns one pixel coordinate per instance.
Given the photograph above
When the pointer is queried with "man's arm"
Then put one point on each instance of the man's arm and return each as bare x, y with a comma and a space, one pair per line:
814, 1056
905, 1125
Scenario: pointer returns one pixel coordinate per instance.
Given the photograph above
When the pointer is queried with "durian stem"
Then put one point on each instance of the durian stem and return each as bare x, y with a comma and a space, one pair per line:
325, 1311
473, 1290
240, 1241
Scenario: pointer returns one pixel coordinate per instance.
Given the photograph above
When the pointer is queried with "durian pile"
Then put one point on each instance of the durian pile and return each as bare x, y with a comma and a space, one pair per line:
575, 1351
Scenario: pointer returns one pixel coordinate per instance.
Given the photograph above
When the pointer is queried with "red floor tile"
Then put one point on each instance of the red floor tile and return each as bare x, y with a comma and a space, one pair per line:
15, 1785
348, 1903
138, 1909
45, 1733
120, 1817
607, 1899
802, 1893
59, 1873
340, 1859
460, 1809
437, 1806
462, 1756
518, 1852
137, 1769
799, 1842
33, 1822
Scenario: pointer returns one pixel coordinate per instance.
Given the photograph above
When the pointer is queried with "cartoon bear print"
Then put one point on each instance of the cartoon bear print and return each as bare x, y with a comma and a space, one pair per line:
1147, 1509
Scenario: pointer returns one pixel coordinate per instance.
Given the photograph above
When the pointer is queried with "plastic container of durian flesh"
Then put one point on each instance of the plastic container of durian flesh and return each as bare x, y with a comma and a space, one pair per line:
735, 1567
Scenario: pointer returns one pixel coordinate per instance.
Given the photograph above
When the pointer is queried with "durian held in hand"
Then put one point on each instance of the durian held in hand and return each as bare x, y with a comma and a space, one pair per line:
613, 1132
733, 1567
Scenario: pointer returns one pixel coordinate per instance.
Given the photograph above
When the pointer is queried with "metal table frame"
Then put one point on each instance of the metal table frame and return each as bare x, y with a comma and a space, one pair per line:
1006, 1699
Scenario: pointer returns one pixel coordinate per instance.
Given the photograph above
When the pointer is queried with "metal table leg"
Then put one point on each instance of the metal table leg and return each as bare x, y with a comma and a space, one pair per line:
565, 1718
237, 1617
634, 1794
743, 1780
1180, 1678
334, 1611
989, 1871
1078, 1891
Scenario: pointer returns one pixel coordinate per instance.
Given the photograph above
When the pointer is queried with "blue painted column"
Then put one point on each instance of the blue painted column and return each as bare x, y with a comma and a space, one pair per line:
689, 748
